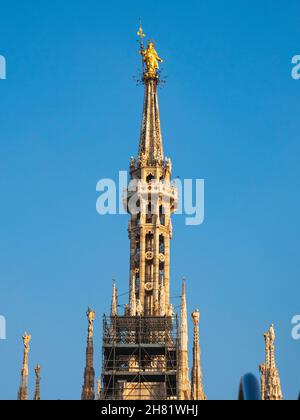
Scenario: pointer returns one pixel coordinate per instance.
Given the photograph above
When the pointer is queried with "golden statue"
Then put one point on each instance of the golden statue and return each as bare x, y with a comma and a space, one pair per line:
151, 59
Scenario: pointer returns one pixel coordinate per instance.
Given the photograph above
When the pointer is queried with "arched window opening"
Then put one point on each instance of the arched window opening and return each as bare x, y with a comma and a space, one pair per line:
149, 217
161, 244
149, 242
162, 216
149, 178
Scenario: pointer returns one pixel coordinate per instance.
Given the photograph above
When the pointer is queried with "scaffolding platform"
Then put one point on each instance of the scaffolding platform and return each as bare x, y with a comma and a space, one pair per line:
140, 358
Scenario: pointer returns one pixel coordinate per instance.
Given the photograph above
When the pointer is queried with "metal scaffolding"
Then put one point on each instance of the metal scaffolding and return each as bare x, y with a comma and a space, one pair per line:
140, 358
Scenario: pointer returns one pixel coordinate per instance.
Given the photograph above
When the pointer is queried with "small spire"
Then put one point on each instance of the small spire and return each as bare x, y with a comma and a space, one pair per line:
37, 395
88, 390
114, 301
262, 369
23, 390
270, 380
99, 390
197, 386
133, 301
184, 383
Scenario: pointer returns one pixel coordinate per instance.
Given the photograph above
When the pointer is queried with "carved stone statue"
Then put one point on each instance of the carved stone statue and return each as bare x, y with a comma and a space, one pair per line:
143, 160
91, 315
139, 308
196, 317
169, 164
26, 340
272, 333
132, 163
171, 311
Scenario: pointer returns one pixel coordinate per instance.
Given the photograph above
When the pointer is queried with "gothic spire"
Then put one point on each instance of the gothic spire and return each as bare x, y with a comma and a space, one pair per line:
114, 301
88, 388
197, 386
23, 390
151, 148
37, 395
184, 384
270, 380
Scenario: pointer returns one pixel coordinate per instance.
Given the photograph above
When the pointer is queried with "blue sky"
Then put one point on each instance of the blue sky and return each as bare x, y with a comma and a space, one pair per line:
70, 114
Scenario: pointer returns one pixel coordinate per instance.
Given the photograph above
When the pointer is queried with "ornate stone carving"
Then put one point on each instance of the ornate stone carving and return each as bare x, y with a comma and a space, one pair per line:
149, 287
139, 308
132, 164
270, 380
197, 386
23, 390
88, 391
143, 160
37, 370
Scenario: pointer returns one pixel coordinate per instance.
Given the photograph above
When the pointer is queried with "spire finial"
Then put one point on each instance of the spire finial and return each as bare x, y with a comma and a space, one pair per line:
141, 35
196, 317
23, 390
88, 391
270, 380
197, 386
37, 370
184, 383
91, 315
150, 57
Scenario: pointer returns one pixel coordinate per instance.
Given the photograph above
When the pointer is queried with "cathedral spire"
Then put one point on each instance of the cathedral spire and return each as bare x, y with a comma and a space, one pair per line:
114, 301
23, 390
151, 148
270, 380
149, 324
150, 227
184, 384
88, 389
197, 386
37, 395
